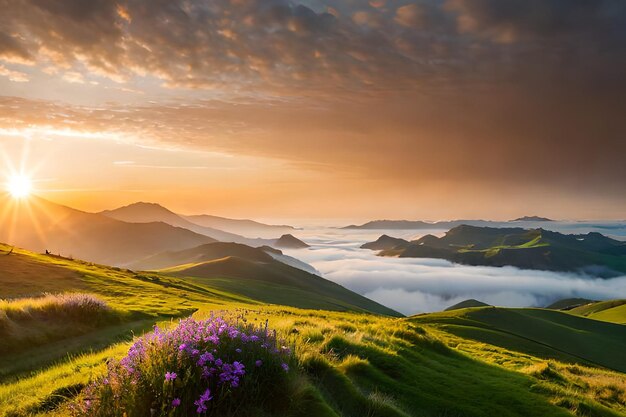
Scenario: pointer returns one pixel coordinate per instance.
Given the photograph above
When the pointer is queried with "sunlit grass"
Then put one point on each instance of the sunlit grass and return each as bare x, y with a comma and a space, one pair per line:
347, 364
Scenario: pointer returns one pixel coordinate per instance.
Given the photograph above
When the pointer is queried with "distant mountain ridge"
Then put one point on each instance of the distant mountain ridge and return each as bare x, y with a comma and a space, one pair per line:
39, 225
149, 212
532, 219
445, 224
592, 253
244, 227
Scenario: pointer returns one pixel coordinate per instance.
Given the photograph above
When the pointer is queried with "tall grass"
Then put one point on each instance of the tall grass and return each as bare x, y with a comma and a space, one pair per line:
40, 320
77, 306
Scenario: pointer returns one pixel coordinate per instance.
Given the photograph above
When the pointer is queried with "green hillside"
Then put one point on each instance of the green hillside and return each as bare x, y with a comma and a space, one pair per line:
613, 311
544, 333
539, 249
349, 364
569, 303
274, 282
202, 253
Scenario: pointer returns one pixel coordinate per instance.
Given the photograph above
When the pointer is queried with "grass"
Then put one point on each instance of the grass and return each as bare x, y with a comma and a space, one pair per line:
536, 242
612, 311
471, 362
276, 283
544, 333
42, 320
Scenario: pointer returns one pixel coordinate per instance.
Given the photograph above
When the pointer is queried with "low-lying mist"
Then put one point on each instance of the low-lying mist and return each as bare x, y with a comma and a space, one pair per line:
413, 286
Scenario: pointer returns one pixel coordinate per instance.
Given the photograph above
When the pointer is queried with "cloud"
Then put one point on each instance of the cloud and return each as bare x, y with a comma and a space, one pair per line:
463, 94
15, 76
411, 15
413, 286
280, 45
541, 19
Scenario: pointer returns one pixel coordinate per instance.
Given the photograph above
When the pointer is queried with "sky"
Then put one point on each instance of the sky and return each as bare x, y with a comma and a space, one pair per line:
353, 109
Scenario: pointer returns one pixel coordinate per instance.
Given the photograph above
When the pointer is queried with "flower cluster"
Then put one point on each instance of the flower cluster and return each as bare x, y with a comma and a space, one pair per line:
202, 367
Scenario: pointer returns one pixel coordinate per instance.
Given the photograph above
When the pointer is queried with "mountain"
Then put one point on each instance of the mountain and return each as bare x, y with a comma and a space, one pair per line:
446, 224
275, 282
151, 212
385, 242
421, 225
41, 225
289, 241
569, 303
393, 224
591, 253
202, 253
532, 219
467, 304
247, 228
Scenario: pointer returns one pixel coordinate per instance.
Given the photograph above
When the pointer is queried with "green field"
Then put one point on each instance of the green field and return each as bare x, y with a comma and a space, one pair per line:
470, 362
613, 311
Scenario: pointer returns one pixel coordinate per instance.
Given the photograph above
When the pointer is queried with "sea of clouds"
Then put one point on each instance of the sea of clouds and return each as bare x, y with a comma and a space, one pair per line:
412, 286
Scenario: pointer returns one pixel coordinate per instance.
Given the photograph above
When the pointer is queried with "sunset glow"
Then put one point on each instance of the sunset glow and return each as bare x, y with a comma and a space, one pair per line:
322, 208
19, 186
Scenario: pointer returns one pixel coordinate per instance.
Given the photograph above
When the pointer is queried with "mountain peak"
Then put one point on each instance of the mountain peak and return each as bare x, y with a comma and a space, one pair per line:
385, 242
532, 219
290, 241
140, 205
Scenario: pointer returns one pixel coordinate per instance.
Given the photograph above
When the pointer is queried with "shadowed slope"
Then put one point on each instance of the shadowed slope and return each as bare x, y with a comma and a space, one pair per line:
202, 253
543, 333
569, 303
274, 282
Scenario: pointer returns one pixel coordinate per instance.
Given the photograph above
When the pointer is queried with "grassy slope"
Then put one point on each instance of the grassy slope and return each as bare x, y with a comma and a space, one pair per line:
277, 283
612, 311
569, 303
354, 364
545, 333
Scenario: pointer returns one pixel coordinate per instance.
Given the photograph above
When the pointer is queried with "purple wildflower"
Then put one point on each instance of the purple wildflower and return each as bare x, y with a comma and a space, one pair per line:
258, 363
201, 402
170, 376
175, 402
285, 367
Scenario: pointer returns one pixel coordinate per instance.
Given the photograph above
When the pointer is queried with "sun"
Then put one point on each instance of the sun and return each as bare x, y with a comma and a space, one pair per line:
19, 186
